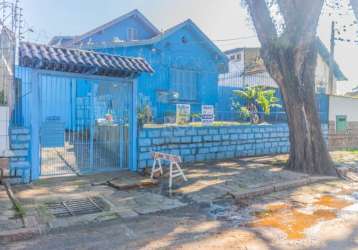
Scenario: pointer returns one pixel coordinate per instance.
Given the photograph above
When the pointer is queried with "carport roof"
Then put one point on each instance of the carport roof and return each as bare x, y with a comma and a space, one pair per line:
46, 57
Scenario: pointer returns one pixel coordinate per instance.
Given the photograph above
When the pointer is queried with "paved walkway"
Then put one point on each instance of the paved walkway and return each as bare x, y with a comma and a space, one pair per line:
8, 217
319, 216
209, 185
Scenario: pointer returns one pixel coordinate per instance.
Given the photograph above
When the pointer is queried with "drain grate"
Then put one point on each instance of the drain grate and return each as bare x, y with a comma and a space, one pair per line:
76, 207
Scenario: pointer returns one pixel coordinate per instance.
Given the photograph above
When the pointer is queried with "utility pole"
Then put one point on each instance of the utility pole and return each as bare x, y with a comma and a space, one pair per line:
331, 59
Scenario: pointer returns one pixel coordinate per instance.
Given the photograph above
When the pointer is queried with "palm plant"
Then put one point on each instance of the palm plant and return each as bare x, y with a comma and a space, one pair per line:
255, 98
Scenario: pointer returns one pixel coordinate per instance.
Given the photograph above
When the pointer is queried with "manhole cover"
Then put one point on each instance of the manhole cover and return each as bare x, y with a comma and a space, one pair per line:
76, 207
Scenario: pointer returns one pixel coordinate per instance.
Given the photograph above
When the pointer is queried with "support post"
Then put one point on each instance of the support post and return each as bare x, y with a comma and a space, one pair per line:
133, 128
35, 126
331, 59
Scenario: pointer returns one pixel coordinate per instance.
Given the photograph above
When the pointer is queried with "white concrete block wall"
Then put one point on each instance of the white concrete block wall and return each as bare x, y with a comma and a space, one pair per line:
341, 105
4, 130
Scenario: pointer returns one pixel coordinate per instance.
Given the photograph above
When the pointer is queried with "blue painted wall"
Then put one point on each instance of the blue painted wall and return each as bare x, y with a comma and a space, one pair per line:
120, 31
171, 52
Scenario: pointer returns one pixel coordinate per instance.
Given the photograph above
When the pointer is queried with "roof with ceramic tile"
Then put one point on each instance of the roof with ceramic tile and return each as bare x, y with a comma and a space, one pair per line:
45, 57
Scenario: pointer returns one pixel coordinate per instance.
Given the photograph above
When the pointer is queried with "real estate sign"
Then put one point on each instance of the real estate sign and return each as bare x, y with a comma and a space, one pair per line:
183, 113
207, 114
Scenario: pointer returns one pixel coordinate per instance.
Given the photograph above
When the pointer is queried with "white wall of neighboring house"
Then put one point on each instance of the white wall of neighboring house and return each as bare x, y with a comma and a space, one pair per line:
322, 77
237, 61
4, 126
342, 105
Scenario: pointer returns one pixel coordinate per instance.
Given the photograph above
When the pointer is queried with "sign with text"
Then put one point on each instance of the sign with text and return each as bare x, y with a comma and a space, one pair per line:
183, 113
207, 114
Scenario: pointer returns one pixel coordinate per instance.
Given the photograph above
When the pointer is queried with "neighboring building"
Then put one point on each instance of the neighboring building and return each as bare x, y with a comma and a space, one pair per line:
7, 58
186, 62
343, 123
354, 93
247, 65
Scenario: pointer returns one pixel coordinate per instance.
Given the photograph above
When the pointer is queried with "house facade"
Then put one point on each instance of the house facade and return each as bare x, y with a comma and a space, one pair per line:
186, 63
249, 66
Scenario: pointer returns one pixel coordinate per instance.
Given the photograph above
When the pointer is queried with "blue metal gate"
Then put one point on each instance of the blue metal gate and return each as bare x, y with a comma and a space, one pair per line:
84, 124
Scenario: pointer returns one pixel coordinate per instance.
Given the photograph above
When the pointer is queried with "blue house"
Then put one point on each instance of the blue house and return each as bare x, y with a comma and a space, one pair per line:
186, 62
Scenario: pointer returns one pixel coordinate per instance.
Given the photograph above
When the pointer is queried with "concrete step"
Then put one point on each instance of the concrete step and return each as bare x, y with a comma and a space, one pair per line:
20, 165
19, 131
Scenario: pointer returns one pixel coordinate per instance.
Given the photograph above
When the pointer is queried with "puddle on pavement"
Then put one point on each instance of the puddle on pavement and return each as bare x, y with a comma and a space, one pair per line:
332, 202
294, 222
291, 221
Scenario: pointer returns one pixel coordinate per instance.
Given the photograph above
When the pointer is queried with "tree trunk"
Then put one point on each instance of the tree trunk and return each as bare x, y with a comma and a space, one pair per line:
295, 75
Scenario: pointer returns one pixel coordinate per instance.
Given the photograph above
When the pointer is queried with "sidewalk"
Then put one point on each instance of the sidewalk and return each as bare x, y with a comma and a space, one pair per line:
124, 195
9, 219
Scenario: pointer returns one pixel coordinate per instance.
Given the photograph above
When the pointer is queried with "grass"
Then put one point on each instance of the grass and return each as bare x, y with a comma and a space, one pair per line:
19, 209
198, 124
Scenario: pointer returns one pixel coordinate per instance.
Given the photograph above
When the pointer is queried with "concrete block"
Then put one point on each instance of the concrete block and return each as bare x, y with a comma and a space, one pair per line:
167, 133
250, 136
179, 132
225, 137
185, 151
158, 141
20, 153
144, 142
213, 131
145, 156
186, 139
207, 138
20, 145
203, 132
191, 131
234, 137
19, 131
217, 138
197, 138
200, 157
142, 133
23, 138
153, 133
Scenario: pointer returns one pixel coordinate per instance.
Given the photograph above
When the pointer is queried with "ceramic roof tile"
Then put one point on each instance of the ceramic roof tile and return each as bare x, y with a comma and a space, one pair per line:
80, 61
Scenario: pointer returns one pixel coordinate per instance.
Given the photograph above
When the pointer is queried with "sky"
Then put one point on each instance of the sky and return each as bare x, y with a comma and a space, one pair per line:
219, 19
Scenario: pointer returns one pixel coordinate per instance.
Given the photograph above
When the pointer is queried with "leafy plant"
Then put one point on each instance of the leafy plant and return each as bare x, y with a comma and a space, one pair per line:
255, 99
144, 115
144, 111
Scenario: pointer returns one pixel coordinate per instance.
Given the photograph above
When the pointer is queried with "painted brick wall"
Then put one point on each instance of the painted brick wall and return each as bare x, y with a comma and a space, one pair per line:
214, 143
20, 166
343, 140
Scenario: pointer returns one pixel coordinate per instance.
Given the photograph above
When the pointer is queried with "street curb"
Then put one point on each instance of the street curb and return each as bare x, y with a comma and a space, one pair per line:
18, 235
31, 227
280, 187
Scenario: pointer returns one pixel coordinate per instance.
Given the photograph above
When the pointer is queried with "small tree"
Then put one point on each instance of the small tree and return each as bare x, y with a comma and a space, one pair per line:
255, 99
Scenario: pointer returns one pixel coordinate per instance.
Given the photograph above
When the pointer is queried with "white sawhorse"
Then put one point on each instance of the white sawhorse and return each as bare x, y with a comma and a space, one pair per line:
174, 163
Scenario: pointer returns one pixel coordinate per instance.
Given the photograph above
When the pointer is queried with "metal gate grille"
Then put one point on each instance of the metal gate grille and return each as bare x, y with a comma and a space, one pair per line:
84, 125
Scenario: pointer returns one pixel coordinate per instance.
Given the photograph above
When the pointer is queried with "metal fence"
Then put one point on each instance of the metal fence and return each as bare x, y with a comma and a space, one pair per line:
84, 123
230, 82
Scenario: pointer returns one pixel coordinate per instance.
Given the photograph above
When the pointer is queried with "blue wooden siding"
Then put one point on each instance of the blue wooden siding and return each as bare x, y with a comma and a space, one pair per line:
171, 53
120, 31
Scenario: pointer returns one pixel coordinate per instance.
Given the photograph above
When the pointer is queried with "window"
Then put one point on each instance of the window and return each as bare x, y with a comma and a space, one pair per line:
238, 57
184, 82
132, 34
341, 123
232, 57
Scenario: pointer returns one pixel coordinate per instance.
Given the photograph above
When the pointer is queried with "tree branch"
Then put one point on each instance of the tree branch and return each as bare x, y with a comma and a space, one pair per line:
354, 4
265, 28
